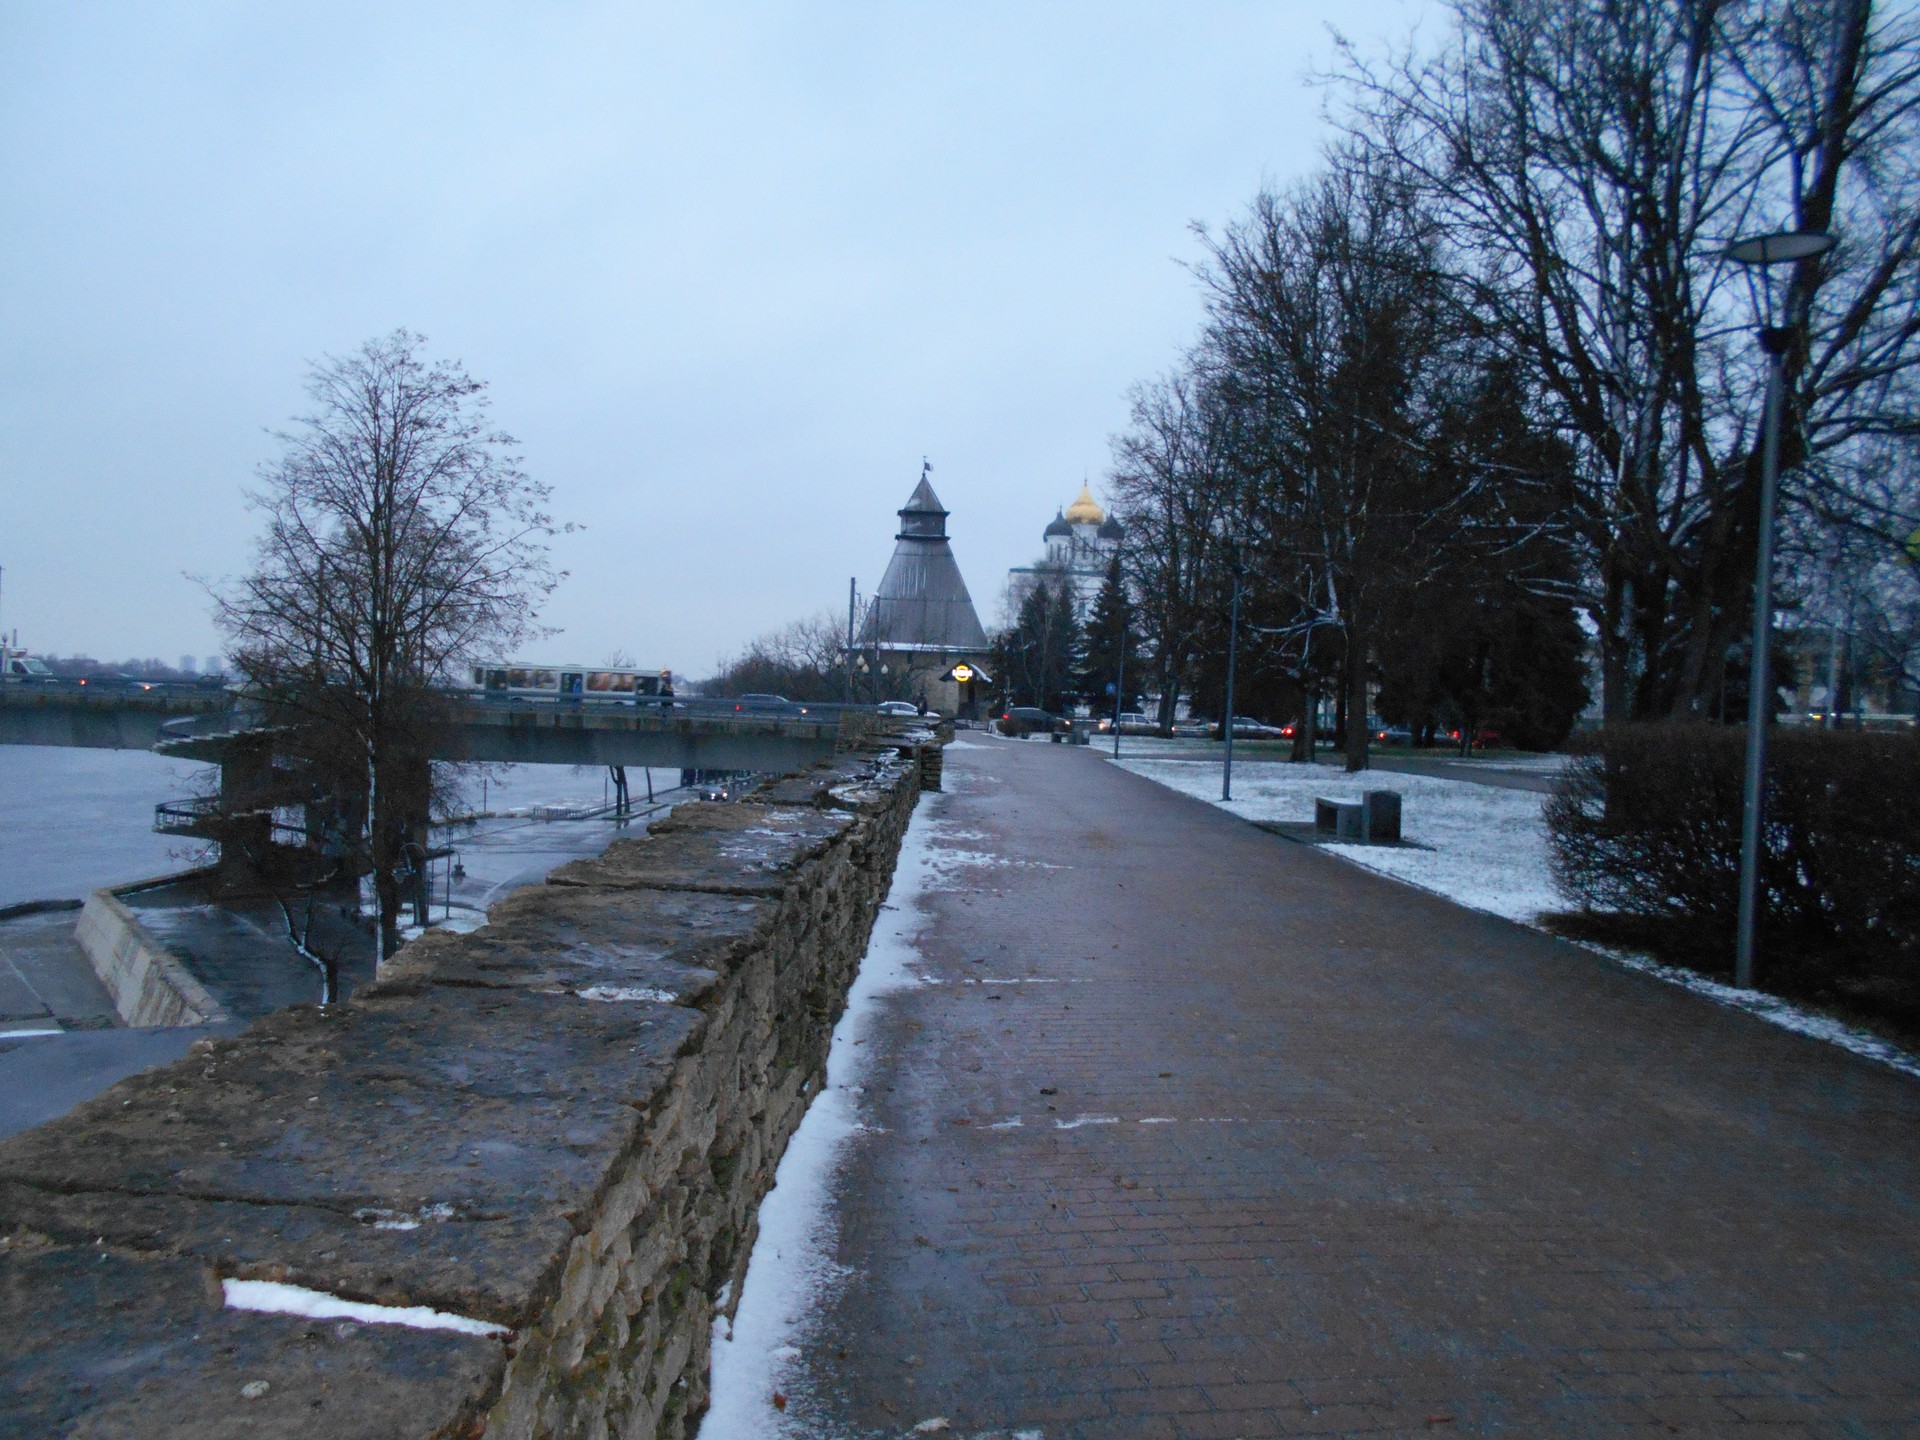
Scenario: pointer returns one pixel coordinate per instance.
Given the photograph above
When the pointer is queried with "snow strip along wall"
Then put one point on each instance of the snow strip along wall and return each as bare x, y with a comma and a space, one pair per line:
501, 1192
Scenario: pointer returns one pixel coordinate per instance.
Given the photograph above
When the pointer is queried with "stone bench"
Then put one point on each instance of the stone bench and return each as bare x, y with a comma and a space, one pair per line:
1372, 819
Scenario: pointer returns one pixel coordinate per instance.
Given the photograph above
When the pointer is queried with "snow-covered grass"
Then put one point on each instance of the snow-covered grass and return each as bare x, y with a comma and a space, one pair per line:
1484, 847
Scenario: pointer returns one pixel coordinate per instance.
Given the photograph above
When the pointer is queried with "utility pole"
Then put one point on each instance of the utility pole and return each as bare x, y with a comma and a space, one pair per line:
1233, 640
853, 593
1776, 340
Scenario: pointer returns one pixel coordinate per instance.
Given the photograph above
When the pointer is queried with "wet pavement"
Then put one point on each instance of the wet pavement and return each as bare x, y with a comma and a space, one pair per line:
1192, 1132
45, 980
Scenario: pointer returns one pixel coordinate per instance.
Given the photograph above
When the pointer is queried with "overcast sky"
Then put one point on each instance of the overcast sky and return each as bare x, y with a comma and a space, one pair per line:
731, 270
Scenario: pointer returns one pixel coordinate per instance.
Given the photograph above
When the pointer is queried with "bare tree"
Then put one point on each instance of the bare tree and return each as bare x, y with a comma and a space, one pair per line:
1588, 161
401, 538
804, 660
1172, 481
1326, 341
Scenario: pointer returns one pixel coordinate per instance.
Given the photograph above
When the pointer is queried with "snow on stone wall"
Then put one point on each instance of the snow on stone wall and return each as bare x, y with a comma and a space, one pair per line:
550, 1136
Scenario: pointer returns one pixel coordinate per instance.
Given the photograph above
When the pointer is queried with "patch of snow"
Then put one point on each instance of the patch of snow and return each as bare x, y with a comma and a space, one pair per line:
271, 1297
1158, 1120
932, 1426
1013, 1124
1032, 980
381, 1219
1487, 846
791, 1272
617, 993
27, 1034
1079, 1120
462, 922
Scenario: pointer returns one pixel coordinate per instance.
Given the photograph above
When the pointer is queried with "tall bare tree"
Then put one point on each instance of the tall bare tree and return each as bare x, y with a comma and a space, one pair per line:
1327, 342
1588, 161
402, 538
1173, 486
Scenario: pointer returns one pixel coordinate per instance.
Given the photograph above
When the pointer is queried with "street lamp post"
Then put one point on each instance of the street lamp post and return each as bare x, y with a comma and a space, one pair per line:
1233, 639
1764, 251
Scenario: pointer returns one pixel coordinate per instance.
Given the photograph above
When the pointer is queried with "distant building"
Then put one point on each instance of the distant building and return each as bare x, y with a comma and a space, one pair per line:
922, 625
1080, 542
188, 664
213, 665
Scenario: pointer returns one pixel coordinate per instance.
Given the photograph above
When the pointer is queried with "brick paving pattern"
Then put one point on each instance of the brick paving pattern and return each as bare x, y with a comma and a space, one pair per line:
1265, 1145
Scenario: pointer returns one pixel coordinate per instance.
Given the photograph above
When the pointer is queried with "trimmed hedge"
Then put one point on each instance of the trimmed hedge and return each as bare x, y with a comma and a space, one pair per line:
1647, 822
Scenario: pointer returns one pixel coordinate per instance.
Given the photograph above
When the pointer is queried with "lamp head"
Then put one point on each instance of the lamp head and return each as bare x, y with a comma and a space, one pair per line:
1780, 248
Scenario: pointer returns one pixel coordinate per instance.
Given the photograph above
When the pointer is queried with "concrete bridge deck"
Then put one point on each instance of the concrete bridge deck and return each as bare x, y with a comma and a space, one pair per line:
691, 735
1197, 1133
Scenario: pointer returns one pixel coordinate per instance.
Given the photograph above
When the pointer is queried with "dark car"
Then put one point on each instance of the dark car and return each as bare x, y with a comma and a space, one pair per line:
1245, 727
1031, 720
769, 704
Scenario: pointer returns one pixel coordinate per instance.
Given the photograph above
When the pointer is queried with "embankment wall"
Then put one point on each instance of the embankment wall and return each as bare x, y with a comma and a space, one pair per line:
148, 985
560, 1125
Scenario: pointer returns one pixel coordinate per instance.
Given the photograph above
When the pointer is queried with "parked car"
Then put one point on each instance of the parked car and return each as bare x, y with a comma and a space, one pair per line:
777, 704
1031, 720
1394, 735
1245, 727
1481, 738
1132, 722
898, 707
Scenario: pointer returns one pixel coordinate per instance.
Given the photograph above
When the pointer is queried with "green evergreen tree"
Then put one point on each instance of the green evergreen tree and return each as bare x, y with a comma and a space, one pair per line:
1042, 650
1108, 633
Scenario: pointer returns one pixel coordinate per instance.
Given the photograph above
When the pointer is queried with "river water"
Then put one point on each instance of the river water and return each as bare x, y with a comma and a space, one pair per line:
73, 821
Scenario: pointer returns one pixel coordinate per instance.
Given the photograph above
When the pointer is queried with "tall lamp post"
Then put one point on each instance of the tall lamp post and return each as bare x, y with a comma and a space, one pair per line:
1233, 640
1762, 252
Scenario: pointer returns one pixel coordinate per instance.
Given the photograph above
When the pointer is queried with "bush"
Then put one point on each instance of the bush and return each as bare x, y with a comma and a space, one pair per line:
1647, 823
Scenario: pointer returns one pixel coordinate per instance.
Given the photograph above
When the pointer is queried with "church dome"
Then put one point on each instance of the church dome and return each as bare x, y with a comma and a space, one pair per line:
1057, 526
1083, 510
1113, 530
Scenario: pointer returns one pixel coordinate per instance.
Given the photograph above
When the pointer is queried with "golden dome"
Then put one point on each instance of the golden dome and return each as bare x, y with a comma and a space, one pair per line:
1083, 511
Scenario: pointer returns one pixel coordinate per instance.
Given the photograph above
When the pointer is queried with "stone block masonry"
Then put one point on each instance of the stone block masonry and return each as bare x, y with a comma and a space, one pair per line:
559, 1126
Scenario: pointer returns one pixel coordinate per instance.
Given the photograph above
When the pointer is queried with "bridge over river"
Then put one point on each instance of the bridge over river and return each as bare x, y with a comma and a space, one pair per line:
694, 734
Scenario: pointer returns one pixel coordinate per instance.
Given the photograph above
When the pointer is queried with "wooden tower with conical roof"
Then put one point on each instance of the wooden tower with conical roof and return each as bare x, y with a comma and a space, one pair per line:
922, 621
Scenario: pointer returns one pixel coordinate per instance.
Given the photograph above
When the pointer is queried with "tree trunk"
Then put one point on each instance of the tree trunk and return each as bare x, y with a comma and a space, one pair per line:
1358, 733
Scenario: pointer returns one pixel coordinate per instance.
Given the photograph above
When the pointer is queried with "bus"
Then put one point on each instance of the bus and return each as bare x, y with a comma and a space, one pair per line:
604, 684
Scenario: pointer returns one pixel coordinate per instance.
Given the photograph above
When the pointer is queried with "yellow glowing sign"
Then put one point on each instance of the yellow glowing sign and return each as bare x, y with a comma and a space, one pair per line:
963, 673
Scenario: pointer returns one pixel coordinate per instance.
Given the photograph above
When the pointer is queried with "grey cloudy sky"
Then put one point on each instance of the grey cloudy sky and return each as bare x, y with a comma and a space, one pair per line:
731, 270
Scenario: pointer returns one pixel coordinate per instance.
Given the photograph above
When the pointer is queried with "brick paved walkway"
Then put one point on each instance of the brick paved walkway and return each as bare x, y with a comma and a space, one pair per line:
1301, 1151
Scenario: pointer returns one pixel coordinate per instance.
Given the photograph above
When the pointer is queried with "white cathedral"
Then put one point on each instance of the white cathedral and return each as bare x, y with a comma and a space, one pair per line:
1080, 542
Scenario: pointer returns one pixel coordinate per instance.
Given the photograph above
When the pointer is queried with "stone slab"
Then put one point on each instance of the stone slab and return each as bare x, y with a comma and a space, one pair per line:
289, 1152
720, 849
569, 938
860, 783
119, 1347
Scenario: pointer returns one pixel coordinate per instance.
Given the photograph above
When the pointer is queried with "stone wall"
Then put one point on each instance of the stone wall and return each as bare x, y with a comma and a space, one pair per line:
560, 1125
